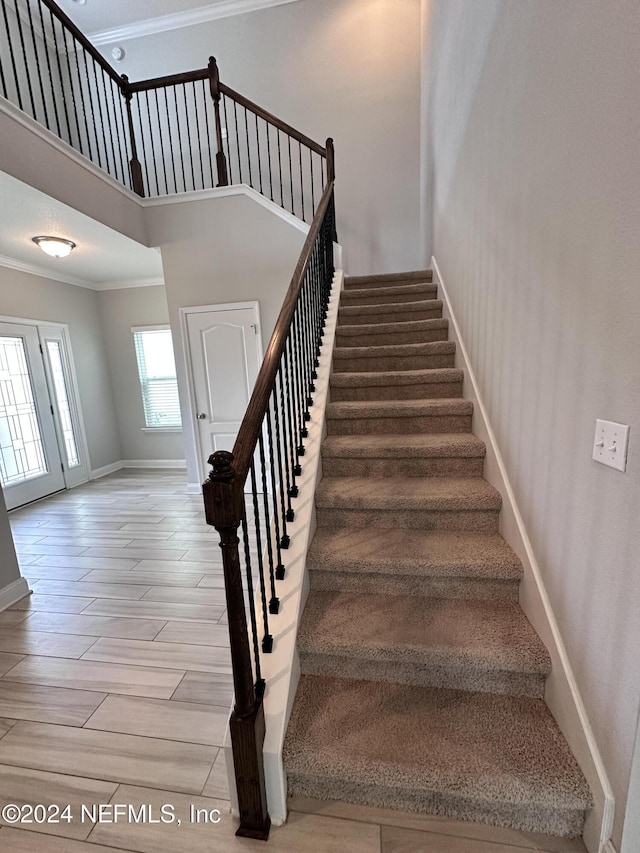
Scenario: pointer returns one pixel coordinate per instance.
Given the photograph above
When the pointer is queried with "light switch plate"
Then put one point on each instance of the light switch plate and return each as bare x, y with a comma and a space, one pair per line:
610, 444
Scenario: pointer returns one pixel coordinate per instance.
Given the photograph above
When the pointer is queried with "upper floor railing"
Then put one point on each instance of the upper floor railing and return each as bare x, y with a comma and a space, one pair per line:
161, 136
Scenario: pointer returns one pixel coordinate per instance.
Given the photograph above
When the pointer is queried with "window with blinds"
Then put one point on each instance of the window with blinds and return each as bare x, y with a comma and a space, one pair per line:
157, 371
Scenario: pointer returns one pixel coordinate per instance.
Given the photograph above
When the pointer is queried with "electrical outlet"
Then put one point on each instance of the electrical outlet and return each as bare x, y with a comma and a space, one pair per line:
610, 444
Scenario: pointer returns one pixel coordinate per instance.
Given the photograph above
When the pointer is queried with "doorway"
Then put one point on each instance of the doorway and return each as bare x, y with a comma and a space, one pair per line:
225, 353
42, 447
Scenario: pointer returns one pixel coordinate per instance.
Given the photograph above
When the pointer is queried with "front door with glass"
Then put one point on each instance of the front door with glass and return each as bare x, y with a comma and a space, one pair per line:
30, 462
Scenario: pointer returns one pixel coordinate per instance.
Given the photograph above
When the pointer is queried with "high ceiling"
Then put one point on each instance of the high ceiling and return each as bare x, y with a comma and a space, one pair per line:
103, 257
94, 17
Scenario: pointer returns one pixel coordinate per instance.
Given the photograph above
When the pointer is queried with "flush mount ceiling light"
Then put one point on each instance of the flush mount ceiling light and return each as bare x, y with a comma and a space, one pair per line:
57, 247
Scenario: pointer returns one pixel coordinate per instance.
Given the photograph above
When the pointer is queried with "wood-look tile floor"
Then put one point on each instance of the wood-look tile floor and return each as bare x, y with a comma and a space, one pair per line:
115, 688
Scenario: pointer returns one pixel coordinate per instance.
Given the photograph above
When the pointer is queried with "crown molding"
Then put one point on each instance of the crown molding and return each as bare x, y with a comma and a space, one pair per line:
45, 272
178, 20
125, 283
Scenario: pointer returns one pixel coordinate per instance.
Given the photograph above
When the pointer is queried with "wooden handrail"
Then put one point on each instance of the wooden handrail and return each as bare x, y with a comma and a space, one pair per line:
247, 437
274, 120
66, 21
169, 80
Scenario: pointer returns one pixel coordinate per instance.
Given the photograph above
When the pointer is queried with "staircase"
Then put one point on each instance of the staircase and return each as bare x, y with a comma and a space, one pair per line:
422, 681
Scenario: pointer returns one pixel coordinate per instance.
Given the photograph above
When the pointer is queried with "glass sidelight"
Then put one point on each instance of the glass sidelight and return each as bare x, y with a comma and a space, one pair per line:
42, 445
22, 452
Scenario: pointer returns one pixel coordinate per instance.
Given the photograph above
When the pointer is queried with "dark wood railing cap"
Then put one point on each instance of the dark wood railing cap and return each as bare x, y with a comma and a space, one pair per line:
221, 466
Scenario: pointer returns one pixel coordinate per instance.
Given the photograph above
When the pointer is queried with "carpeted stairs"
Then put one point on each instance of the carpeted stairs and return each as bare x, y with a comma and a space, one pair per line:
422, 680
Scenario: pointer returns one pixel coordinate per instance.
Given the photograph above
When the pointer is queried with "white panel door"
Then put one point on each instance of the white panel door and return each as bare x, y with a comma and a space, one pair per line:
30, 465
225, 358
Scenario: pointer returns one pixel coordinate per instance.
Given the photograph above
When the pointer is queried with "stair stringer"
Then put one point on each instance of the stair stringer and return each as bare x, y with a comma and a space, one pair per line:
281, 668
562, 694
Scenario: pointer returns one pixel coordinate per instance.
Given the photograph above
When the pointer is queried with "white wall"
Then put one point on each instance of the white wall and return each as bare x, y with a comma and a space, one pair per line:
343, 68
35, 298
530, 146
221, 250
119, 311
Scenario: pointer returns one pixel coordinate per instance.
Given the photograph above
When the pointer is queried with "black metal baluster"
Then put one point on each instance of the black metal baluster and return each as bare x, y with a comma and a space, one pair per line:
57, 53
274, 603
117, 162
109, 124
84, 108
173, 159
3, 81
71, 89
93, 117
151, 142
252, 605
291, 423
280, 169
179, 133
246, 132
24, 59
258, 151
11, 54
267, 640
161, 148
127, 145
304, 296
205, 112
46, 53
143, 144
268, 127
237, 132
105, 149
275, 487
197, 117
122, 159
311, 342
313, 194
186, 112
301, 179
281, 441
227, 144
293, 207
302, 411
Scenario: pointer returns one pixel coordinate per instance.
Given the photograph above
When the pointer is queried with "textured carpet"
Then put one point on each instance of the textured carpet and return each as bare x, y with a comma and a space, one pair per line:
422, 679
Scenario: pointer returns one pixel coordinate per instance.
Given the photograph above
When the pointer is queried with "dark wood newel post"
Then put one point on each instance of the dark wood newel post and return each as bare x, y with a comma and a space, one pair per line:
224, 509
134, 163
214, 86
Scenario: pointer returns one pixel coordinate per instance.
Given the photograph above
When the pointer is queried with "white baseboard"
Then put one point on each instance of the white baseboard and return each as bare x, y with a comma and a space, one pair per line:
562, 694
609, 848
106, 469
153, 463
13, 592
194, 488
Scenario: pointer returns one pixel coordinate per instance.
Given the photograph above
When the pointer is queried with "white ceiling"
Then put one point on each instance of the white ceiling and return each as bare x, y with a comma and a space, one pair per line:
102, 259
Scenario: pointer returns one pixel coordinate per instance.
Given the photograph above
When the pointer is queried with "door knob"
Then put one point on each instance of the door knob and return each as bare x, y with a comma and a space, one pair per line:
201, 416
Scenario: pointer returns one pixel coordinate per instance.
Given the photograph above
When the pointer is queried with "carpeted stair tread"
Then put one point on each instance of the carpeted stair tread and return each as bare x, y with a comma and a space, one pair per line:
357, 314
406, 493
479, 756
402, 446
391, 278
389, 293
432, 553
399, 328
395, 350
398, 408
454, 633
387, 378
